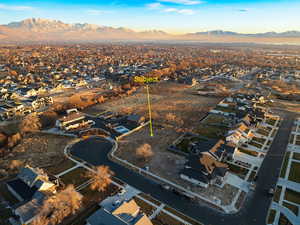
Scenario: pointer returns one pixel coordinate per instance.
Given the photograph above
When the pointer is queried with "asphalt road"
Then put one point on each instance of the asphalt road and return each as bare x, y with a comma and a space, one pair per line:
254, 212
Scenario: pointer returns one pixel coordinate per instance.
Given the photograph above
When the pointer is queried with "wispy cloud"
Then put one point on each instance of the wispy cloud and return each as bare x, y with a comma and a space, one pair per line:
95, 12
243, 10
154, 5
180, 11
183, 2
15, 7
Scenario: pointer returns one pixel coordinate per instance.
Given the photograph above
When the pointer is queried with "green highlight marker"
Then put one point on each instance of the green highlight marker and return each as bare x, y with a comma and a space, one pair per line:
149, 108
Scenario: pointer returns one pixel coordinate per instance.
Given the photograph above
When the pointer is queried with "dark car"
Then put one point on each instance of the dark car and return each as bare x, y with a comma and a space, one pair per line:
270, 192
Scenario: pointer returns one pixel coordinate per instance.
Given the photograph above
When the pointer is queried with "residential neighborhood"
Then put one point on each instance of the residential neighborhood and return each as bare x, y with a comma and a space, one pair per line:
148, 134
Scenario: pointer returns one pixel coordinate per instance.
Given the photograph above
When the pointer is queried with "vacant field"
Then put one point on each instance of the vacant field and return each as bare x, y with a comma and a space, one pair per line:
175, 109
162, 160
171, 103
37, 150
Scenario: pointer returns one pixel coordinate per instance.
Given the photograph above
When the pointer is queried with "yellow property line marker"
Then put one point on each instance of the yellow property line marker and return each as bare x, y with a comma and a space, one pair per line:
149, 108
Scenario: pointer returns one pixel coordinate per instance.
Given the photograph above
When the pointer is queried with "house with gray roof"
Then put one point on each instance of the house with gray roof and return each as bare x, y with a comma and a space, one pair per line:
29, 181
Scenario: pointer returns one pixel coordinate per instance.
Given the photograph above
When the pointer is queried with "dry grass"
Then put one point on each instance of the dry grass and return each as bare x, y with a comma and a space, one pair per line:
171, 103
37, 150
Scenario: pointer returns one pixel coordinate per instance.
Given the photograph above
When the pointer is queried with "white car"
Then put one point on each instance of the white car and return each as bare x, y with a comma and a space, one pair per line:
122, 192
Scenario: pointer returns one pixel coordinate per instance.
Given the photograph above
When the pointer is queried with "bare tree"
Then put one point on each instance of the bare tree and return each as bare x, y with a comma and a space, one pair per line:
59, 206
144, 151
171, 117
30, 123
15, 164
102, 178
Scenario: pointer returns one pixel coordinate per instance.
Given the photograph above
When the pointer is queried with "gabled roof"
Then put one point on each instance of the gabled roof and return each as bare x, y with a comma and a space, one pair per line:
129, 208
102, 217
127, 213
72, 116
30, 209
22, 189
28, 176
197, 175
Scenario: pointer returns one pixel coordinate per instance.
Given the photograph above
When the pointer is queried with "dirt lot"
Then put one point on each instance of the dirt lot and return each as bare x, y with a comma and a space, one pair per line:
165, 163
171, 103
188, 110
162, 160
37, 150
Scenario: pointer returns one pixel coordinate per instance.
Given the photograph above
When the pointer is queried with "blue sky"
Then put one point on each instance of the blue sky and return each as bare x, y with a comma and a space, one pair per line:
174, 16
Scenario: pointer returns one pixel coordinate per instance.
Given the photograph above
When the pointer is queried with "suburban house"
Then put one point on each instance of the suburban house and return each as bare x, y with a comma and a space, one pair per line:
71, 120
31, 187
28, 211
203, 170
134, 118
240, 134
118, 212
28, 182
207, 167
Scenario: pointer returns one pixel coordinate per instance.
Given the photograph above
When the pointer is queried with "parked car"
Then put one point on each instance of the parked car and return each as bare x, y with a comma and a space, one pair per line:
184, 194
252, 186
122, 191
166, 187
270, 192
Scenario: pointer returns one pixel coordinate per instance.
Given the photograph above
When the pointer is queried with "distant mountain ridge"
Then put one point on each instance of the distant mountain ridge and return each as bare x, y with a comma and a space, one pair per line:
291, 33
46, 30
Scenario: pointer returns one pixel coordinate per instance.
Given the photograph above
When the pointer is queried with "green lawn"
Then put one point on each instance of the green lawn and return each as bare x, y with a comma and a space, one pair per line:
291, 207
182, 216
145, 207
283, 220
252, 175
64, 165
284, 165
296, 155
163, 219
242, 172
75, 177
271, 121
277, 194
291, 140
263, 132
274, 133
292, 196
259, 140
150, 198
255, 144
211, 131
294, 174
215, 119
225, 109
90, 195
81, 216
271, 216
248, 152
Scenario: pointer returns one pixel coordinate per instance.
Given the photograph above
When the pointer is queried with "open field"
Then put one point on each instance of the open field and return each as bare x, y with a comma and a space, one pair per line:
186, 112
37, 150
171, 103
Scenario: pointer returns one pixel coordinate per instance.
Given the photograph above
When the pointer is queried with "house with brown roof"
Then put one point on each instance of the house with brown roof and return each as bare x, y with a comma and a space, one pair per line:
208, 166
240, 134
123, 212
